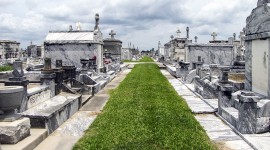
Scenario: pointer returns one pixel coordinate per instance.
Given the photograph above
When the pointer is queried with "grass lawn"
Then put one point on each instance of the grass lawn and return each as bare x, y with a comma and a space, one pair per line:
144, 59
145, 112
6, 68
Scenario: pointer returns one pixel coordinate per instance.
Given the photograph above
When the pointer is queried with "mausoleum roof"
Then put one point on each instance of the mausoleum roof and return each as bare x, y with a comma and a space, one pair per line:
112, 40
70, 37
211, 44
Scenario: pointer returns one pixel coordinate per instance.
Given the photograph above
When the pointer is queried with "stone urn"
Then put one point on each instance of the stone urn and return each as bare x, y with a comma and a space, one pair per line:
11, 97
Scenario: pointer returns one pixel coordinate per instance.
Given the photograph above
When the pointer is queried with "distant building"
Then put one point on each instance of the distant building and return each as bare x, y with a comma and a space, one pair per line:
35, 51
222, 52
9, 49
73, 45
112, 46
174, 50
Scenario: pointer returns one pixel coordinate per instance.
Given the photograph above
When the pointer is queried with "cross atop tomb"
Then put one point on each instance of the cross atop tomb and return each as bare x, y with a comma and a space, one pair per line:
196, 39
178, 32
214, 35
112, 34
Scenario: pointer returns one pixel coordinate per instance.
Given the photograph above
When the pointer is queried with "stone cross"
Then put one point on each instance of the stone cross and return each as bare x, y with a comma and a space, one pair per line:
214, 34
196, 39
234, 36
178, 32
112, 34
187, 32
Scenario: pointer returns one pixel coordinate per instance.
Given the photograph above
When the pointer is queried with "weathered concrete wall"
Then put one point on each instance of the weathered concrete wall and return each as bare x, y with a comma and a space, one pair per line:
113, 47
71, 54
210, 54
260, 67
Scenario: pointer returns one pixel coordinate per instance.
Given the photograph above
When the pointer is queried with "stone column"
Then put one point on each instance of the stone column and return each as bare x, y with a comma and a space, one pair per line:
247, 112
178, 70
99, 58
47, 76
225, 89
59, 74
213, 68
198, 67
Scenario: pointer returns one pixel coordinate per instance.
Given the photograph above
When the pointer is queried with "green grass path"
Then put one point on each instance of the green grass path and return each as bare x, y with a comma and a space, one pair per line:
143, 59
145, 112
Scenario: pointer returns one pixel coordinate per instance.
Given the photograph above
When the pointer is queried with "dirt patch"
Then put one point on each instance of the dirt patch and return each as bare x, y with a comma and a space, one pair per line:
222, 146
237, 77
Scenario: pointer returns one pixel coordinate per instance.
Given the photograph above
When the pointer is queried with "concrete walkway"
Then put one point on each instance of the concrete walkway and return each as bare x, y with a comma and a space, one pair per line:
216, 129
73, 129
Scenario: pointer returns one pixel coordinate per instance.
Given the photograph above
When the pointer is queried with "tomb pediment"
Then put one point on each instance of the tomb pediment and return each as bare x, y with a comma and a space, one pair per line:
259, 20
74, 37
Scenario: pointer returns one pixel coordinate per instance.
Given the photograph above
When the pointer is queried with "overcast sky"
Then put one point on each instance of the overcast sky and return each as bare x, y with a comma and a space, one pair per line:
142, 22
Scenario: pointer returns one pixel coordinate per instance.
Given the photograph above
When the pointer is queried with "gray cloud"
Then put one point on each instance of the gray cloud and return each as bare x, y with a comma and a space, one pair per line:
141, 22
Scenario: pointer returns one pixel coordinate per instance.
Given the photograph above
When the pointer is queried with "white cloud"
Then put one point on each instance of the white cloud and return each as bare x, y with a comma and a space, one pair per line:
142, 22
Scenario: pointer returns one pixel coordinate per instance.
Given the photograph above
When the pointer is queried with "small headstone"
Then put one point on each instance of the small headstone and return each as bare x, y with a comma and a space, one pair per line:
18, 69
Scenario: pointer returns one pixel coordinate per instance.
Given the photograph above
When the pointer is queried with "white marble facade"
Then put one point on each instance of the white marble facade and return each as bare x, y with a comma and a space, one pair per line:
222, 54
71, 46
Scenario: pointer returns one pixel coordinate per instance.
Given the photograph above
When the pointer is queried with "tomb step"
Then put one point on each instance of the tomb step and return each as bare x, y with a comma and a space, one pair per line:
96, 78
111, 72
263, 108
53, 112
102, 83
86, 98
76, 89
231, 115
30, 142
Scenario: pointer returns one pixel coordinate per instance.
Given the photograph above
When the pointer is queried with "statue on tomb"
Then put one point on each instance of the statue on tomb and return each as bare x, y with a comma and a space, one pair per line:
262, 2
196, 39
187, 32
78, 26
70, 28
18, 69
97, 21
